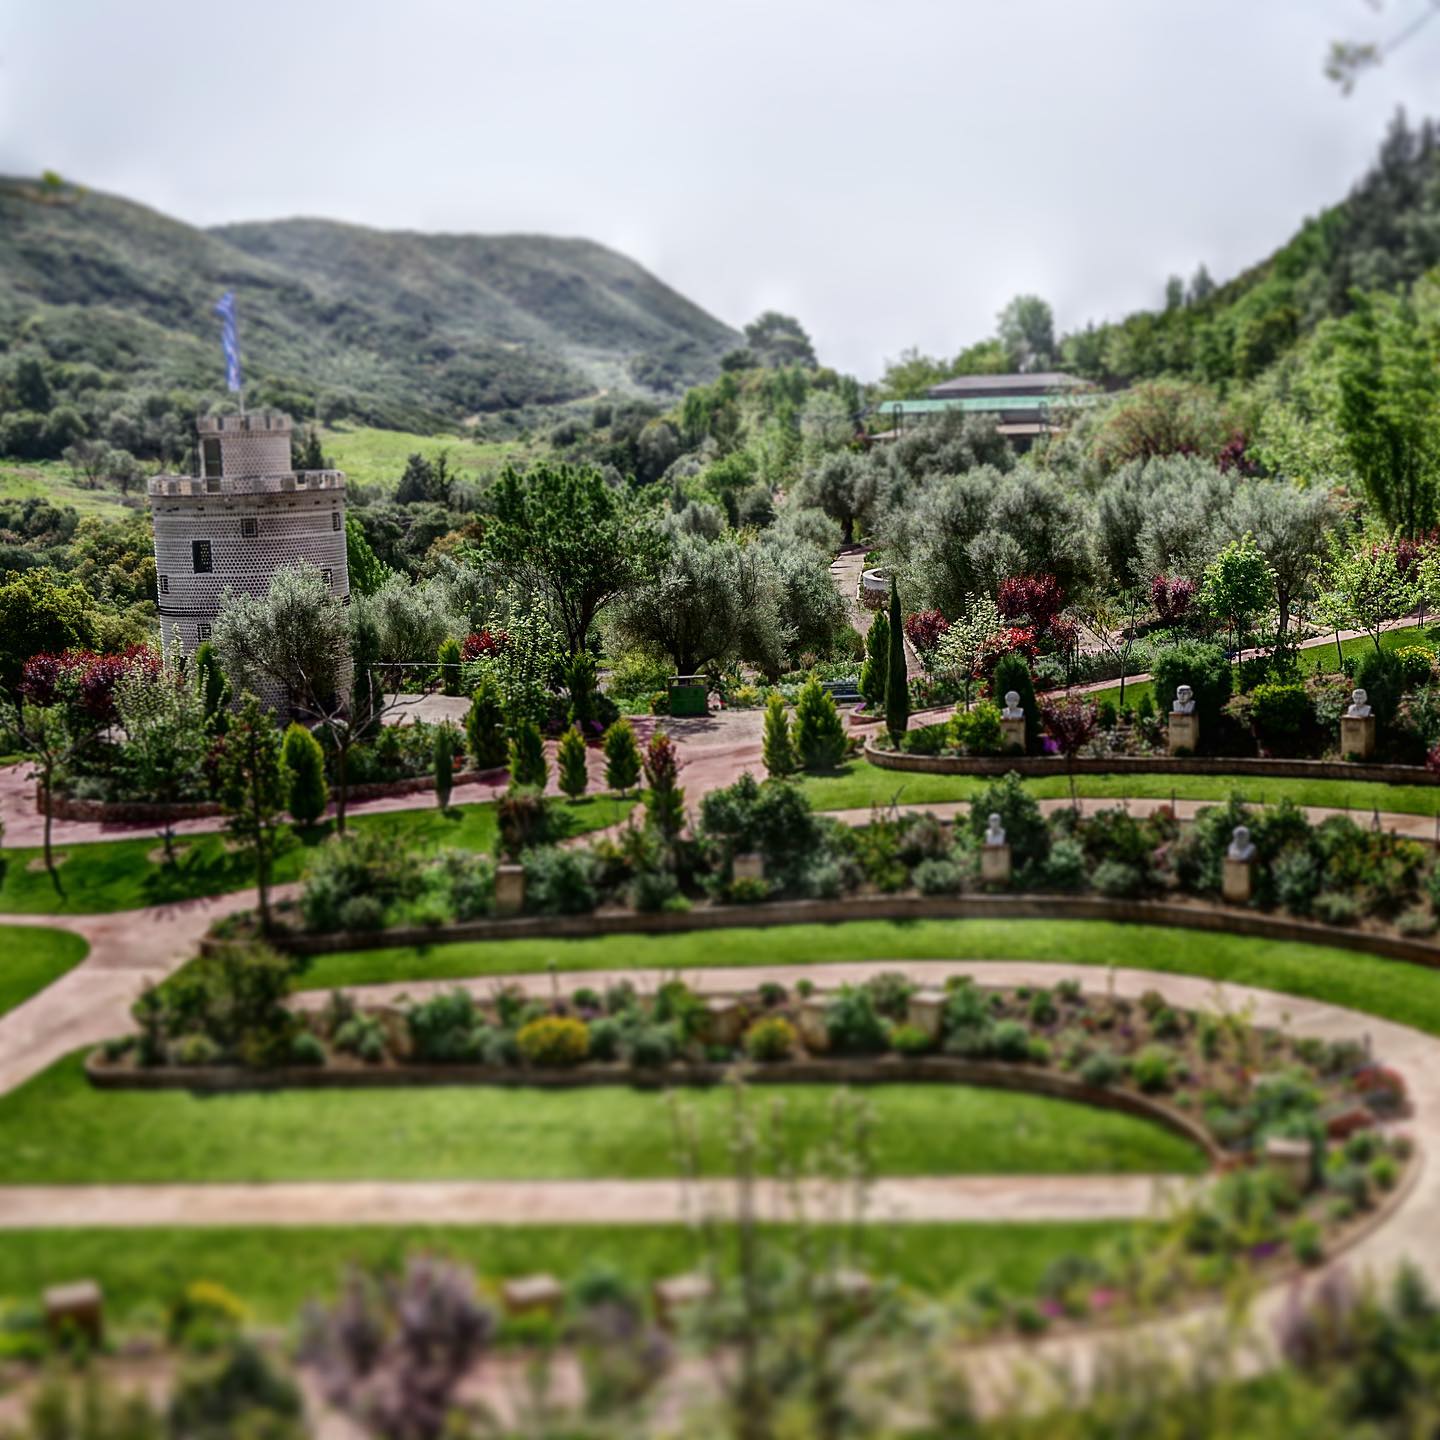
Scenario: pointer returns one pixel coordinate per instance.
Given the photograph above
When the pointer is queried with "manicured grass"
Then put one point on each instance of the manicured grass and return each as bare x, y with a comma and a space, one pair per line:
275, 1270
859, 785
109, 875
58, 1129
377, 457
31, 958
1392, 989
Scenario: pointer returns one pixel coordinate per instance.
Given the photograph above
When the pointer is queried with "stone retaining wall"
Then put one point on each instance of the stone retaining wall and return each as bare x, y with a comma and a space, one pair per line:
1252, 766
1180, 914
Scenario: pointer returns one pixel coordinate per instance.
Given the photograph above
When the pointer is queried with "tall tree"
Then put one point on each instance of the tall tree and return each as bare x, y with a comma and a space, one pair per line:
897, 675
775, 340
253, 791
1026, 328
579, 539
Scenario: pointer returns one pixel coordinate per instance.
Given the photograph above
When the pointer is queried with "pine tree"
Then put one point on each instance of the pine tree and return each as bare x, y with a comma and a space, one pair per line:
819, 730
580, 681
448, 658
897, 678
779, 748
251, 789
212, 686
444, 757
528, 765
574, 772
622, 757
877, 662
305, 765
485, 726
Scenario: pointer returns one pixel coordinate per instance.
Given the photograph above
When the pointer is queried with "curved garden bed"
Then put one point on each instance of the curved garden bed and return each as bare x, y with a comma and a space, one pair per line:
1245, 766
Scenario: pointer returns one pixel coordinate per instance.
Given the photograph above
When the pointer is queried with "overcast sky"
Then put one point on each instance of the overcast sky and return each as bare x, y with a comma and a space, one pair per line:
889, 172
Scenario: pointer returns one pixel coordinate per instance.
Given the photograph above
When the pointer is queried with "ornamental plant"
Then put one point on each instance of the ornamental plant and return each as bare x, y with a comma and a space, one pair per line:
665, 808
1072, 725
622, 756
897, 676
877, 662
770, 1039
1036, 598
924, 630
554, 1041
1172, 598
443, 757
448, 661
819, 731
571, 760
778, 748
304, 763
485, 726
528, 765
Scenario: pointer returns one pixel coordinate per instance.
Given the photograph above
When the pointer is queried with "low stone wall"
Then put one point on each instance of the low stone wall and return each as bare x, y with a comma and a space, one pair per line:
1251, 766
1176, 913
812, 1070
116, 812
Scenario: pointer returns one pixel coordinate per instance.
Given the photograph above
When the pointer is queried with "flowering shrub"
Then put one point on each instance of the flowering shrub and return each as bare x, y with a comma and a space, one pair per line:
484, 643
554, 1040
772, 1038
924, 628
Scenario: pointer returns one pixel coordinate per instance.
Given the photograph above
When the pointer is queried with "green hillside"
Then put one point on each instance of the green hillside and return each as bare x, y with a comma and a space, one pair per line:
398, 330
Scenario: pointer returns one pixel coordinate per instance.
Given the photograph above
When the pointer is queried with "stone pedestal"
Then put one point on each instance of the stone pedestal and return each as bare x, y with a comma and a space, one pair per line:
1184, 732
76, 1309
724, 1022
678, 1293
1357, 736
925, 1010
748, 866
509, 890
813, 1030
527, 1294
1292, 1160
995, 865
1237, 881
1013, 733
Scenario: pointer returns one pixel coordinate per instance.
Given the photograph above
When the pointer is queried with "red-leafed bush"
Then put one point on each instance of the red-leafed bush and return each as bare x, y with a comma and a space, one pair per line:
1172, 599
83, 679
1017, 640
924, 628
484, 642
1036, 598
1235, 457
1071, 724
1063, 632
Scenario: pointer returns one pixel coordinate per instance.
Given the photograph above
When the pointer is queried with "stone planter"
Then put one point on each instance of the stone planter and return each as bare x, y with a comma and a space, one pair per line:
1357, 736
748, 866
814, 1033
77, 1309
1013, 732
925, 1010
509, 890
1292, 1160
528, 1294
724, 1021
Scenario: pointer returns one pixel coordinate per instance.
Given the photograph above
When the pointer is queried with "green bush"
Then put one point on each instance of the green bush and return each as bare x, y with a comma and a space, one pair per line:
554, 1041
927, 740
194, 1050
910, 1040
978, 731
446, 1029
1013, 673
528, 766
1337, 908
1118, 881
1296, 876
1025, 828
651, 1046
485, 726
304, 761
1066, 867
559, 882
444, 764
1280, 711
606, 1037
1153, 1070
819, 730
362, 913
307, 1049
1011, 1041
622, 757
938, 877
651, 891
1205, 669
448, 659
469, 881
1380, 674
363, 1037
770, 1039
1101, 1069
572, 761
853, 1023
1417, 665
1306, 1243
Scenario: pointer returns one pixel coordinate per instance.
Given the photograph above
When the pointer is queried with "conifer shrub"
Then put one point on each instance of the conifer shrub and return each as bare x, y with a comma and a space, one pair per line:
304, 761
485, 726
570, 758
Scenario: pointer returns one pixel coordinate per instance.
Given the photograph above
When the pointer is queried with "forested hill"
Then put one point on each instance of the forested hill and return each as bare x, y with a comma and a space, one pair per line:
396, 329
1382, 237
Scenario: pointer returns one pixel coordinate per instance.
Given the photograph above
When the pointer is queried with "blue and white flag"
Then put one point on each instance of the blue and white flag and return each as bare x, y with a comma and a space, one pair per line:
229, 338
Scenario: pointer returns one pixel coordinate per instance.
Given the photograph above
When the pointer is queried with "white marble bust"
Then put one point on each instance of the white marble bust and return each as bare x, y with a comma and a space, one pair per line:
1184, 701
995, 831
1359, 705
1013, 709
1242, 847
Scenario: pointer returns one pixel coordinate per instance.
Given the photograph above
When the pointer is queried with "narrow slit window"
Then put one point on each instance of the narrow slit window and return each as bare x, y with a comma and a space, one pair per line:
200, 557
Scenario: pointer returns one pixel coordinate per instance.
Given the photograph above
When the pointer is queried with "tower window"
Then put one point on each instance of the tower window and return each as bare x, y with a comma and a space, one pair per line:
200, 557
249, 527
334, 519
328, 576
202, 632
164, 584
210, 456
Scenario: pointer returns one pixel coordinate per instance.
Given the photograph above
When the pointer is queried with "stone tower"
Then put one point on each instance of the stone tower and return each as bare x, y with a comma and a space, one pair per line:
242, 517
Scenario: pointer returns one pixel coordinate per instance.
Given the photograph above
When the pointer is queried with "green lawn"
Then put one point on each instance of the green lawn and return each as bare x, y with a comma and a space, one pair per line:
1409, 994
276, 1270
377, 457
53, 480
859, 785
31, 958
109, 875
58, 1129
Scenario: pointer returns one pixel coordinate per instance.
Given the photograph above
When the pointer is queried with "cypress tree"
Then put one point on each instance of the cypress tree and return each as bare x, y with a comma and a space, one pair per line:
485, 726
580, 681
819, 730
574, 774
448, 658
528, 765
304, 763
212, 686
779, 748
444, 754
877, 662
897, 679
622, 757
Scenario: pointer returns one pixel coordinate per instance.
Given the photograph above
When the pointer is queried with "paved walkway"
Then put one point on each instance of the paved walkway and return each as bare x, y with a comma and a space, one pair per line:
845, 572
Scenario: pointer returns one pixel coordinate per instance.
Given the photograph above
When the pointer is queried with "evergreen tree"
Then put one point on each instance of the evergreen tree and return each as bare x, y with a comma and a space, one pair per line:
212, 687
252, 789
528, 765
877, 662
444, 756
580, 681
570, 757
485, 726
665, 805
622, 757
448, 659
819, 730
367, 694
305, 768
897, 678
779, 747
